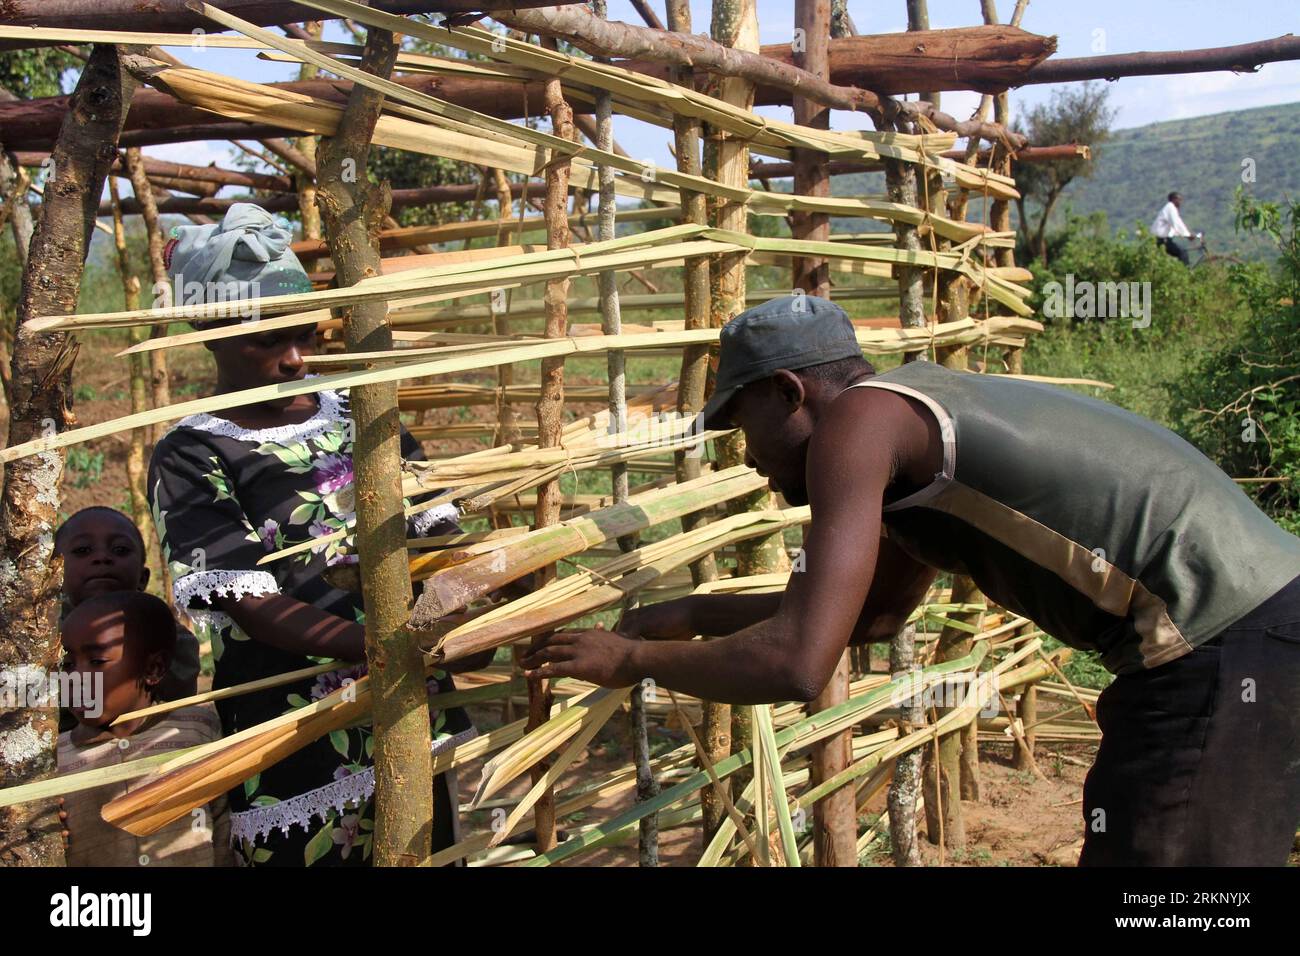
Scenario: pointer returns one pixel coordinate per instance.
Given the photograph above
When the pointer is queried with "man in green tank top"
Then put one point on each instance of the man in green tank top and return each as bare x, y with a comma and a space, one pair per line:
1111, 533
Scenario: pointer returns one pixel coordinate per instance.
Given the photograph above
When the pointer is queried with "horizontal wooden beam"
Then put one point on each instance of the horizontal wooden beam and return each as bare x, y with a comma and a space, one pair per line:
1242, 58
967, 58
1030, 154
289, 203
159, 16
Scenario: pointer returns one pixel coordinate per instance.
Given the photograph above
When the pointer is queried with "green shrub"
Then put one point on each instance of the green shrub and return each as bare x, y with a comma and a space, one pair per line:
1241, 402
1191, 311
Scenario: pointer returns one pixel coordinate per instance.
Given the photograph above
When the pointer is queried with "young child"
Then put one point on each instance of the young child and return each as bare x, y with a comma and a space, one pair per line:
119, 645
102, 551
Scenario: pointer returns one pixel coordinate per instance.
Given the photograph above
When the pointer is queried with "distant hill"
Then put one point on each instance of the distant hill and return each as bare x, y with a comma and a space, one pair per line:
1138, 167
1201, 158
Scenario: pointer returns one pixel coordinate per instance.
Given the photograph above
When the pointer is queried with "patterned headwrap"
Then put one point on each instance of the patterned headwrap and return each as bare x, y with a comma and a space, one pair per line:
245, 256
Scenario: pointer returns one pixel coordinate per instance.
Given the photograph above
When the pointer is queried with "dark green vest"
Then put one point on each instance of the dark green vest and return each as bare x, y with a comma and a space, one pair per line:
1108, 531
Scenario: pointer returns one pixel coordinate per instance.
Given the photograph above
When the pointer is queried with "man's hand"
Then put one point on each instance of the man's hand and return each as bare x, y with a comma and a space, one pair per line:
668, 621
597, 656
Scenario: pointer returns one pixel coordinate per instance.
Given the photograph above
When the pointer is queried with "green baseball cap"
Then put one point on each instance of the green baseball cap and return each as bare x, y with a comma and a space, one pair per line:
792, 332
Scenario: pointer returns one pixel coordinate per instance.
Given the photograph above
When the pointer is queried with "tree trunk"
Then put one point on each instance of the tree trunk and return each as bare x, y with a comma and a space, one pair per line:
42, 404
352, 211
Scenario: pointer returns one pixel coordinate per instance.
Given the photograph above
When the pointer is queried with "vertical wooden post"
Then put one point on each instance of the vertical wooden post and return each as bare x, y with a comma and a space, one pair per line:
906, 785
726, 160
1027, 712
160, 383
304, 182
550, 405
136, 468
715, 731
41, 380
692, 381
901, 184
1000, 212
943, 779
352, 212
611, 324
835, 822
507, 429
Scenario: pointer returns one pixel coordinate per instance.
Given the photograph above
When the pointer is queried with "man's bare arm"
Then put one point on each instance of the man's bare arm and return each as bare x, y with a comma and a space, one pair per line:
898, 586
792, 654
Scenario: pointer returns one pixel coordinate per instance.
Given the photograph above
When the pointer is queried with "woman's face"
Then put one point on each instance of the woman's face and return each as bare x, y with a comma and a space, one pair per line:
264, 358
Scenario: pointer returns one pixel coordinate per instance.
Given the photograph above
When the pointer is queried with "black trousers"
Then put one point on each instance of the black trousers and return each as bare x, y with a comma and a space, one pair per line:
1199, 763
1175, 250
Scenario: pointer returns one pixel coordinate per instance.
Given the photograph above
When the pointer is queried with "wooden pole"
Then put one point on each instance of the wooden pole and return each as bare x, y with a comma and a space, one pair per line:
902, 186
305, 184
41, 378
550, 408
906, 785
136, 469
811, 172
1000, 212
611, 324
835, 819
943, 810
695, 288
715, 729
352, 211
160, 384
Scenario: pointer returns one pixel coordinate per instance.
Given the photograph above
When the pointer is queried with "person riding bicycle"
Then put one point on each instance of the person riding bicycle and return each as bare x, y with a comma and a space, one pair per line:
1168, 224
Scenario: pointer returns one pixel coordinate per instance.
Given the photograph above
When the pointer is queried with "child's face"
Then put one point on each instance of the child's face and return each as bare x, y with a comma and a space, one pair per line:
98, 650
100, 554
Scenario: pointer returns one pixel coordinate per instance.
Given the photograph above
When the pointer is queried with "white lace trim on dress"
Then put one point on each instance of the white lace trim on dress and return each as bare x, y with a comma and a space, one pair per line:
329, 412
352, 790
234, 584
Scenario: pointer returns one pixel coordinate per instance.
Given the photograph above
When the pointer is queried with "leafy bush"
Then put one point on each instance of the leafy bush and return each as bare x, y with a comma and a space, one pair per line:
1192, 311
1241, 403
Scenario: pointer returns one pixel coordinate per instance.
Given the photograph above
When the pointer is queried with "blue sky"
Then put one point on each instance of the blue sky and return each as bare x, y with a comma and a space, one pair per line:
1082, 29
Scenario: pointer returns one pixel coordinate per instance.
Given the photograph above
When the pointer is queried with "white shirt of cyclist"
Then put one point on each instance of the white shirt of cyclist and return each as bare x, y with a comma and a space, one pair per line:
1169, 223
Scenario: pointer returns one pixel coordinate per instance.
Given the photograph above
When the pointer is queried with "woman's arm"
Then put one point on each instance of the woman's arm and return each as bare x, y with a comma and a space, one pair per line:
291, 625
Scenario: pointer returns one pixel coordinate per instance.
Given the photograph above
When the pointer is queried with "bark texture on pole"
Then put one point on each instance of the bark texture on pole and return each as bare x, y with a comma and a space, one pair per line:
41, 379
906, 785
352, 211
550, 409
611, 323
970, 58
159, 16
304, 183
726, 161
159, 380
136, 466
943, 791
835, 822
695, 289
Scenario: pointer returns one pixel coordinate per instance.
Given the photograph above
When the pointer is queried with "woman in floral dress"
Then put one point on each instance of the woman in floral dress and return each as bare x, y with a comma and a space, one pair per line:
227, 490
